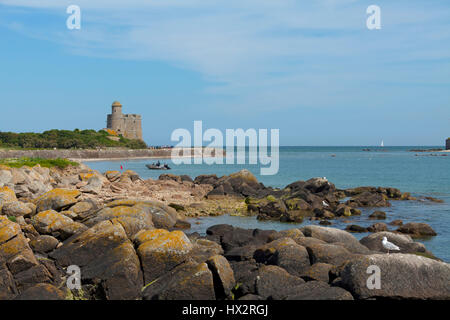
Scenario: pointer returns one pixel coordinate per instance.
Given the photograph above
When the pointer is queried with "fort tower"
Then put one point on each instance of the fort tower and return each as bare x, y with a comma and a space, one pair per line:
128, 125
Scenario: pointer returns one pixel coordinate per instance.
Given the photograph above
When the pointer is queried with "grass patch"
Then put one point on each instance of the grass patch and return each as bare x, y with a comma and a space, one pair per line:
31, 162
12, 218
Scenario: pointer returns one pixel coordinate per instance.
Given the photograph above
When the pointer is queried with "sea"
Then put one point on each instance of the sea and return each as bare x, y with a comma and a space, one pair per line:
420, 173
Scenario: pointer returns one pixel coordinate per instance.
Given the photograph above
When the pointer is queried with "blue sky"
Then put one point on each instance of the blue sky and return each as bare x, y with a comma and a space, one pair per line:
309, 68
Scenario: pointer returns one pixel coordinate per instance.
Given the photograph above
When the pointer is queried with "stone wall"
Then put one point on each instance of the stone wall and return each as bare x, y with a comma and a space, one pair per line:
109, 153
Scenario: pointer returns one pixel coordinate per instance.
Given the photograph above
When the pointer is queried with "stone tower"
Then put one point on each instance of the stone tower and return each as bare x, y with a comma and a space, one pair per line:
128, 125
447, 144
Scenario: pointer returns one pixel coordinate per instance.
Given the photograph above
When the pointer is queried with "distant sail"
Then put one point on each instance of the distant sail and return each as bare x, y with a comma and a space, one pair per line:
382, 143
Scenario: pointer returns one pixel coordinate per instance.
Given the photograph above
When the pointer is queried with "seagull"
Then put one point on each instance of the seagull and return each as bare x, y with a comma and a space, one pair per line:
325, 204
389, 245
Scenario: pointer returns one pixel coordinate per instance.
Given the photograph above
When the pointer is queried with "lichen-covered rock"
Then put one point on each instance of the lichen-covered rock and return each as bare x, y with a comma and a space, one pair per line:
50, 222
17, 209
133, 219
105, 256
188, 281
223, 275
162, 253
294, 234
405, 276
318, 271
44, 243
57, 199
42, 291
6, 195
380, 215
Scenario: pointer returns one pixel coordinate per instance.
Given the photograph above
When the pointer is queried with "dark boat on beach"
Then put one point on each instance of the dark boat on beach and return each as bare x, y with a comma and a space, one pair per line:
155, 167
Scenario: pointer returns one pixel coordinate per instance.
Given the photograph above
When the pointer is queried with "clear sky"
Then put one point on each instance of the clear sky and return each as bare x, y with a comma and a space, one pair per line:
309, 68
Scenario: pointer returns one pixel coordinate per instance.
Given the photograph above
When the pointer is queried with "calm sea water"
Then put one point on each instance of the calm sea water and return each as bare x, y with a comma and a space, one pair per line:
418, 173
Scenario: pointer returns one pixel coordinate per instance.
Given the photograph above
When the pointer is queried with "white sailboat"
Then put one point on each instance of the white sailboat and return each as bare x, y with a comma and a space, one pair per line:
382, 143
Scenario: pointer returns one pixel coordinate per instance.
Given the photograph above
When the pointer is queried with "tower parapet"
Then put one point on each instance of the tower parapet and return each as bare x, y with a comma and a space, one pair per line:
128, 125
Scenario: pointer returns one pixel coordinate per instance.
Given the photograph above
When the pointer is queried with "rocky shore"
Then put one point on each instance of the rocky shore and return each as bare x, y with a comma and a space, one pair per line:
130, 238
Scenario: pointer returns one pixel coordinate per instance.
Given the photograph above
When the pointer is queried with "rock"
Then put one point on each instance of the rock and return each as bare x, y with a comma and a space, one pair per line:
329, 253
32, 276
294, 234
333, 235
204, 250
188, 281
417, 230
378, 227
113, 175
51, 222
163, 216
223, 276
206, 179
273, 282
319, 185
81, 208
57, 199
182, 224
162, 253
318, 271
355, 228
273, 210
42, 291
285, 253
378, 215
94, 185
317, 290
169, 176
105, 256
5, 177
245, 273
396, 223
404, 242
403, 276
133, 219
368, 199
343, 210
17, 209
44, 244
325, 223
6, 195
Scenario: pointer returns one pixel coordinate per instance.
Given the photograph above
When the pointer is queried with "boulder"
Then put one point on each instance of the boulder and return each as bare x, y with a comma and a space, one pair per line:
223, 276
378, 227
294, 234
318, 271
380, 215
333, 254
333, 235
204, 249
133, 219
318, 290
285, 253
404, 276
355, 228
44, 244
368, 199
42, 291
417, 230
57, 199
17, 209
52, 222
105, 256
6, 195
404, 242
188, 281
275, 283
163, 253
